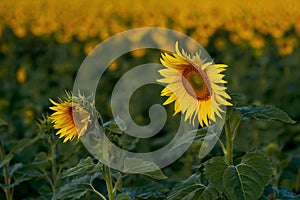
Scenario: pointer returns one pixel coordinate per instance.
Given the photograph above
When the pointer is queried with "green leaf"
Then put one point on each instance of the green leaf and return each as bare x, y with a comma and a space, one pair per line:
279, 193
84, 166
146, 188
16, 182
75, 188
244, 181
214, 171
139, 165
116, 126
45, 191
14, 168
259, 162
123, 197
41, 161
6, 160
2, 122
236, 98
33, 170
192, 189
17, 146
264, 113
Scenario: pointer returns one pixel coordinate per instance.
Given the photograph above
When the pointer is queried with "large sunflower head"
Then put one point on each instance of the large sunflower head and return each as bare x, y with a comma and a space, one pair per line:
70, 118
195, 85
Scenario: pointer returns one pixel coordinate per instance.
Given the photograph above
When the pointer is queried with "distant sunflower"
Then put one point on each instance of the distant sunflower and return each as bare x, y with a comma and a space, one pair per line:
70, 118
196, 86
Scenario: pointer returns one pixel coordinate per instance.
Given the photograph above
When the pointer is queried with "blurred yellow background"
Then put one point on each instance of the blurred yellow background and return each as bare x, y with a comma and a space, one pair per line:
249, 21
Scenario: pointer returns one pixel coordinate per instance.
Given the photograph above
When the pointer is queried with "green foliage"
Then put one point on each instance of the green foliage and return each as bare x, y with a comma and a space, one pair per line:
39, 166
145, 168
236, 99
2, 122
17, 146
15, 183
245, 180
75, 188
12, 173
115, 126
123, 197
264, 113
278, 194
193, 189
78, 179
85, 166
144, 188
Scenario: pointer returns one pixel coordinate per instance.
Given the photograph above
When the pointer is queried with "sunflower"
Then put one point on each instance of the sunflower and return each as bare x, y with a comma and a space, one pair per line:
196, 86
70, 118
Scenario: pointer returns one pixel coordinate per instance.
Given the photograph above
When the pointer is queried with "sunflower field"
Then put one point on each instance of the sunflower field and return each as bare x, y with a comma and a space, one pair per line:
42, 46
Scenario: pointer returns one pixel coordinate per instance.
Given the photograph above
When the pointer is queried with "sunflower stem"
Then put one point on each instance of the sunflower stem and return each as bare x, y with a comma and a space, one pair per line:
229, 142
108, 181
8, 195
53, 162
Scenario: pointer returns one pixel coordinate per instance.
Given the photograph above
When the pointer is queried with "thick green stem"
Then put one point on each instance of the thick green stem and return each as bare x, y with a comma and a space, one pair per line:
229, 141
52, 181
8, 195
6, 181
109, 185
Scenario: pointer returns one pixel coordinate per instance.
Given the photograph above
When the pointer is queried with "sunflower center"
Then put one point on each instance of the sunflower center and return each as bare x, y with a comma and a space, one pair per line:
196, 83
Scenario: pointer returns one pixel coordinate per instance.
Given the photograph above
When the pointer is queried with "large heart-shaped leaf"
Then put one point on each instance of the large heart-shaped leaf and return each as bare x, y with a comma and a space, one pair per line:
244, 181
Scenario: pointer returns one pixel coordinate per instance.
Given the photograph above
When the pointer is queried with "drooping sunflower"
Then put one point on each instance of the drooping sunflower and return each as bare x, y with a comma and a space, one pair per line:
195, 85
70, 118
